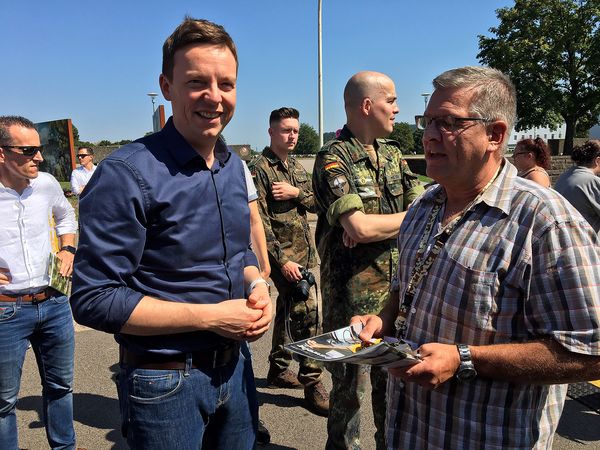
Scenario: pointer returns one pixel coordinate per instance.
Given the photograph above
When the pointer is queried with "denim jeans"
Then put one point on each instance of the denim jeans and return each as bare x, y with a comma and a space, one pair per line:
49, 328
188, 409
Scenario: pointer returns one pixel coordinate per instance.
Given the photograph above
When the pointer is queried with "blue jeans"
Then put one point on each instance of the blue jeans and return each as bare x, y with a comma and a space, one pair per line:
49, 328
188, 409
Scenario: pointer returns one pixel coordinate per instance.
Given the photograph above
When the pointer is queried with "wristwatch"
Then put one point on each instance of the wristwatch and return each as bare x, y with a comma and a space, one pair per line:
466, 371
68, 248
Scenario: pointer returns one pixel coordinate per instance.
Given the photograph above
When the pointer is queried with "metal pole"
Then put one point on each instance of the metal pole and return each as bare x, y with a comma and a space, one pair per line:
320, 44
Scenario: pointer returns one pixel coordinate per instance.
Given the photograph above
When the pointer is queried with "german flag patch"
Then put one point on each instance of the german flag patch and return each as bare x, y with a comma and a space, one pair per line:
332, 165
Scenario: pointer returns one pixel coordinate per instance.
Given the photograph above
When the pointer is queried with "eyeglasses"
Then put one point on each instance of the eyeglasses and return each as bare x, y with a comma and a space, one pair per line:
82, 155
26, 150
445, 123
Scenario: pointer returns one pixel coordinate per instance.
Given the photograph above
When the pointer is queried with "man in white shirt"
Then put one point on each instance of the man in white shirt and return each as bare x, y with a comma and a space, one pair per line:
82, 174
30, 311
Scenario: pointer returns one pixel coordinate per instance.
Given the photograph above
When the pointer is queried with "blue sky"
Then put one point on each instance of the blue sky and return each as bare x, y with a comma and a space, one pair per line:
94, 62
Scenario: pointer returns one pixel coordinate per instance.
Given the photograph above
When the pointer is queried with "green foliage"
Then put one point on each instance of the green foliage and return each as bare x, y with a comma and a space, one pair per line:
308, 140
104, 143
402, 133
328, 136
551, 51
418, 138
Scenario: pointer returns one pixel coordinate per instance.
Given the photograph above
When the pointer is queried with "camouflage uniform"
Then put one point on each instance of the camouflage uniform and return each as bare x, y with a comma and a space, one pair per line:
356, 280
288, 239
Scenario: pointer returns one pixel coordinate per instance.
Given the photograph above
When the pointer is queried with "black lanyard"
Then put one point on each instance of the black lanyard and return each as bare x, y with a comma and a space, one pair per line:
424, 262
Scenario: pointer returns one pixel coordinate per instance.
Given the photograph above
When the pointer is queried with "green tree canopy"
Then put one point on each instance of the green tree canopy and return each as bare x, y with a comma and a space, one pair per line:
403, 133
308, 140
418, 138
551, 51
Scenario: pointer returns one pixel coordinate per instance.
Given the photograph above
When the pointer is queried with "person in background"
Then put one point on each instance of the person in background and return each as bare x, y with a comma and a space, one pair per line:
580, 184
30, 310
497, 286
532, 159
285, 199
165, 263
259, 246
362, 187
82, 174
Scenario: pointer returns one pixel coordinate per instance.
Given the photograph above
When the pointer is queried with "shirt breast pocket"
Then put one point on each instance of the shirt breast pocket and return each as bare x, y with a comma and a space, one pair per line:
469, 300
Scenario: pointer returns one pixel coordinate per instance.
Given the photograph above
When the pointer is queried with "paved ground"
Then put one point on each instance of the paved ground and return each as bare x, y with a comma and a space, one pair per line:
291, 425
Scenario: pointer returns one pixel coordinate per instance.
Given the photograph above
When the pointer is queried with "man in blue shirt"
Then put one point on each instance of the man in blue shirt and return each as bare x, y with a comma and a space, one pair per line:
164, 262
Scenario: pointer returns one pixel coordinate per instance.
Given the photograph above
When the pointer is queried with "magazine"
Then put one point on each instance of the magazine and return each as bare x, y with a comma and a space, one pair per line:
57, 281
344, 345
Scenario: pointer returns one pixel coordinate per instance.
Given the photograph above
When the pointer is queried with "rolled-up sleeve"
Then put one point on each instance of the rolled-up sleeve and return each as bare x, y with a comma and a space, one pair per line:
111, 243
63, 213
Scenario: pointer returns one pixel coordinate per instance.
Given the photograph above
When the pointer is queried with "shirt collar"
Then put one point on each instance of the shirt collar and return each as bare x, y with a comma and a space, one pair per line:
357, 151
183, 153
497, 195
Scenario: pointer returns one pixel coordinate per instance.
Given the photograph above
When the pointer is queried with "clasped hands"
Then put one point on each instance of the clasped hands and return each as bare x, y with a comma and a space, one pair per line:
246, 319
439, 362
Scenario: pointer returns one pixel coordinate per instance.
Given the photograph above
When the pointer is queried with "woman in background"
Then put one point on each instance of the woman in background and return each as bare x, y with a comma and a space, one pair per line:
532, 159
580, 184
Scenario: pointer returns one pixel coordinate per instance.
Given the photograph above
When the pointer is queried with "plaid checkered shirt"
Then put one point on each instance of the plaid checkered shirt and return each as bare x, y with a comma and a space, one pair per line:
521, 265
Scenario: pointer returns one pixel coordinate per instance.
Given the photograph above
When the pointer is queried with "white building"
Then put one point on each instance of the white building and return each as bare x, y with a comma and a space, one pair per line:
532, 133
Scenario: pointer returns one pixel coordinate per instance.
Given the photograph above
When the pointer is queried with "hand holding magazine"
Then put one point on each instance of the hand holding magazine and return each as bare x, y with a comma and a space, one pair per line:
57, 281
344, 345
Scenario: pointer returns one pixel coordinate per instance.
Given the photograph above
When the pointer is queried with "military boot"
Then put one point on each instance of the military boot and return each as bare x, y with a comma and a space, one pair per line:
286, 379
317, 399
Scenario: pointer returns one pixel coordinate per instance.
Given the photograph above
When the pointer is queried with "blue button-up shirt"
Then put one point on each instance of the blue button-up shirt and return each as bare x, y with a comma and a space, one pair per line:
156, 221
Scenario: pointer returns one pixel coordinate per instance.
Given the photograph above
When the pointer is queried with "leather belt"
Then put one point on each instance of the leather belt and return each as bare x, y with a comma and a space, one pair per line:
38, 297
207, 359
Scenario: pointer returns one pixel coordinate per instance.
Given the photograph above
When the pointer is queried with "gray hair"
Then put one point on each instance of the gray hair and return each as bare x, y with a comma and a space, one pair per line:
8, 121
495, 95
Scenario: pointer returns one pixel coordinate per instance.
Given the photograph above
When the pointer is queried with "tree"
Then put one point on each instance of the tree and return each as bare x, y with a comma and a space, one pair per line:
402, 133
104, 143
551, 51
418, 138
328, 136
308, 140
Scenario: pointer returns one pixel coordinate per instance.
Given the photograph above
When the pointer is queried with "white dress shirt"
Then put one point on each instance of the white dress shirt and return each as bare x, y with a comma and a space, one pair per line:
25, 233
80, 177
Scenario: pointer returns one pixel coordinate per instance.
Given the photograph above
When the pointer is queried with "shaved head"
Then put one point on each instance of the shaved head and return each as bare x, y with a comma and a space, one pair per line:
362, 85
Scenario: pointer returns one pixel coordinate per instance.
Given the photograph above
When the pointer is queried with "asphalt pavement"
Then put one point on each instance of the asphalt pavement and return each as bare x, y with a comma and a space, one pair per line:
292, 426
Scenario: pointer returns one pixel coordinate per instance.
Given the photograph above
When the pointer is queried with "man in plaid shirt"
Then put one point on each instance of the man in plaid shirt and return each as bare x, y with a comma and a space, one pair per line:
497, 286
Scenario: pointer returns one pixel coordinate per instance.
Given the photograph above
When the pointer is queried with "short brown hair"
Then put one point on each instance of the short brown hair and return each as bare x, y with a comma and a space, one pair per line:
194, 31
8, 121
278, 115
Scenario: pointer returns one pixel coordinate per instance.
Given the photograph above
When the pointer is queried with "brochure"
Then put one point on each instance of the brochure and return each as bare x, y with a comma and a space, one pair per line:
57, 281
344, 345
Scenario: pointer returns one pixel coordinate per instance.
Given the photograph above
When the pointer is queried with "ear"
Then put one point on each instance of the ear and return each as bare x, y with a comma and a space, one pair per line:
165, 87
497, 133
365, 106
270, 131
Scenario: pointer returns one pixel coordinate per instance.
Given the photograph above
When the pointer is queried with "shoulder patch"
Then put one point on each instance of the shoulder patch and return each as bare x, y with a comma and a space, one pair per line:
339, 185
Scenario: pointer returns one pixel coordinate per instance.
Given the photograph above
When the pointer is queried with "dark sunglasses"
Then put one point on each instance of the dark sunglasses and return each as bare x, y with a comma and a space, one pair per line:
82, 155
26, 150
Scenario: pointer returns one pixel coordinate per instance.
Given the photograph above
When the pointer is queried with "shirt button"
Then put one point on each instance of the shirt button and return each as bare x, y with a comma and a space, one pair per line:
413, 310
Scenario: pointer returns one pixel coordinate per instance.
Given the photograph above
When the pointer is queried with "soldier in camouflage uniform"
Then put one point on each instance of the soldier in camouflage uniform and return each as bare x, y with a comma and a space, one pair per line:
284, 198
362, 186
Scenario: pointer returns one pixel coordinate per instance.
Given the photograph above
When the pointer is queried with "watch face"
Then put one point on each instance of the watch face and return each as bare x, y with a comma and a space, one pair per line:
466, 374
